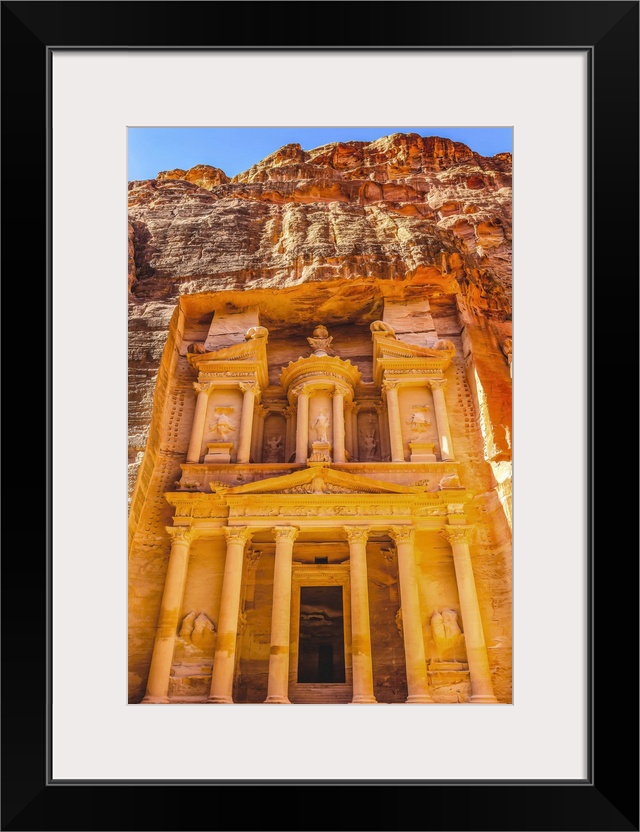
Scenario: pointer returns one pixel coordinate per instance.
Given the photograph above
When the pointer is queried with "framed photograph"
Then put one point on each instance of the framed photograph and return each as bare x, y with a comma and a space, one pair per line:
562, 80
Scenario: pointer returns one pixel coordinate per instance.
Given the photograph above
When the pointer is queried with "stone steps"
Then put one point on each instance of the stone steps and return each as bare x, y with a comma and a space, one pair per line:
314, 694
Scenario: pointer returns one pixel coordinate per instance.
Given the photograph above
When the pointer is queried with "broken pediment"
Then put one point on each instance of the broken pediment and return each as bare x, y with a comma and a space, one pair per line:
323, 480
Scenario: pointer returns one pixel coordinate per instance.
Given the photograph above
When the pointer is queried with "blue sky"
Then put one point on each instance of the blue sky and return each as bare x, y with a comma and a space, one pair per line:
235, 149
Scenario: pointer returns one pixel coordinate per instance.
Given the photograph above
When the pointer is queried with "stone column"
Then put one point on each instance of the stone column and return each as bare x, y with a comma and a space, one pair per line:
199, 419
442, 421
360, 622
246, 421
225, 652
278, 688
479, 671
170, 609
338, 425
289, 441
417, 682
302, 428
395, 429
383, 431
260, 414
348, 429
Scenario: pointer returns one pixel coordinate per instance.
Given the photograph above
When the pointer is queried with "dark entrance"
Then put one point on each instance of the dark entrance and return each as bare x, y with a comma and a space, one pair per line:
321, 646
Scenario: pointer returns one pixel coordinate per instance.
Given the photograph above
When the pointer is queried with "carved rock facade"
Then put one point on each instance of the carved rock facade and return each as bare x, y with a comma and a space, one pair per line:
321, 501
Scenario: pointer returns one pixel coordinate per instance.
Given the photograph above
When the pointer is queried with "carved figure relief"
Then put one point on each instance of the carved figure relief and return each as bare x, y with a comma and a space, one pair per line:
447, 636
222, 425
419, 421
197, 632
369, 443
273, 448
321, 427
382, 326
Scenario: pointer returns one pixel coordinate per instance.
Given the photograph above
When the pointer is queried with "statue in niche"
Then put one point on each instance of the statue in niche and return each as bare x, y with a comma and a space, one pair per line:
222, 425
272, 448
321, 427
321, 341
447, 635
369, 443
419, 422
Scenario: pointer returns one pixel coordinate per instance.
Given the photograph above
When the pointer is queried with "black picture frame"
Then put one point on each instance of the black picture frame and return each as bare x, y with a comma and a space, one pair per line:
608, 798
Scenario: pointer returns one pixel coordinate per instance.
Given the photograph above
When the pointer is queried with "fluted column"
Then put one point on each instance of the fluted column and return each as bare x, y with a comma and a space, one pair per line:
278, 687
360, 622
348, 429
289, 440
302, 427
395, 428
417, 681
170, 609
442, 420
246, 421
338, 425
199, 419
479, 671
225, 652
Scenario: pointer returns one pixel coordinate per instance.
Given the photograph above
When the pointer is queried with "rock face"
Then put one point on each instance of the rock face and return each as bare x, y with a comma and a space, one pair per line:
421, 226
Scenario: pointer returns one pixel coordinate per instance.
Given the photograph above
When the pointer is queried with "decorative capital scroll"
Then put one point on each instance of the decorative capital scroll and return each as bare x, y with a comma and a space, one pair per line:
357, 534
457, 534
338, 390
237, 534
381, 408
202, 387
402, 534
261, 411
437, 383
180, 534
247, 386
300, 390
288, 533
390, 383
290, 412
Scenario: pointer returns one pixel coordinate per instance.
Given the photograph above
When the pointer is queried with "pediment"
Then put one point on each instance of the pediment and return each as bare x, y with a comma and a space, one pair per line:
322, 480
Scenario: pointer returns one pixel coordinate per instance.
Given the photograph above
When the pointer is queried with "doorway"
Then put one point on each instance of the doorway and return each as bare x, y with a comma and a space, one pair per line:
321, 642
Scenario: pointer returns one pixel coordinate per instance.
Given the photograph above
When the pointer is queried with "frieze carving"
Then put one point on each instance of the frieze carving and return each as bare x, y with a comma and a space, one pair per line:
187, 485
455, 508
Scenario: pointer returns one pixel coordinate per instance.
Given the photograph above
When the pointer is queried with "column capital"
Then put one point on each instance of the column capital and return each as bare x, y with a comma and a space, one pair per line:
357, 534
180, 534
437, 383
290, 411
301, 390
237, 534
261, 411
285, 533
203, 387
390, 384
402, 534
339, 390
248, 386
457, 534
380, 408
